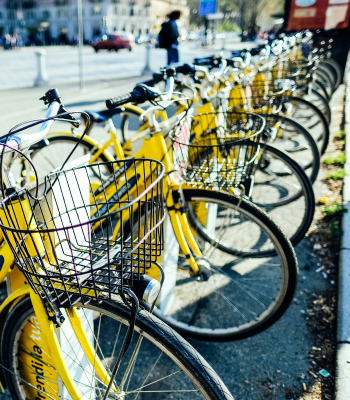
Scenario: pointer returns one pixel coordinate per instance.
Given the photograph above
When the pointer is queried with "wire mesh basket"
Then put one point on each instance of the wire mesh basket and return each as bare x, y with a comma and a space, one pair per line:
300, 70
217, 150
257, 97
88, 235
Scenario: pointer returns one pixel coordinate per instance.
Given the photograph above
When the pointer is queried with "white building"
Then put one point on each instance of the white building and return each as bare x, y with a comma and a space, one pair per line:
56, 20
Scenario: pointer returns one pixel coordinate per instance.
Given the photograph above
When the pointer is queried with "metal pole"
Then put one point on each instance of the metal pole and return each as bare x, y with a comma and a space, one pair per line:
81, 43
147, 69
242, 22
206, 27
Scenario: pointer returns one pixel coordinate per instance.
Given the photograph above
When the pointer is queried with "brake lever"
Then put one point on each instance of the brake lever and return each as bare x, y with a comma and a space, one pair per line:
68, 118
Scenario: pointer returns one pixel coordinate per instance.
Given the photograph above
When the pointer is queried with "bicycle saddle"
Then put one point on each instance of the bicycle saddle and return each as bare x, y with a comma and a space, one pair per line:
102, 116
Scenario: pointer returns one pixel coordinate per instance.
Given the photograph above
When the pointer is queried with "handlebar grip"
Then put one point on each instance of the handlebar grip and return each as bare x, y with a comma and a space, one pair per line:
158, 77
185, 69
202, 61
120, 100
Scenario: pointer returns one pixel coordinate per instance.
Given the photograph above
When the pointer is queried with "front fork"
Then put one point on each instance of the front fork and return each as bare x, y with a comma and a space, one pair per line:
181, 227
48, 329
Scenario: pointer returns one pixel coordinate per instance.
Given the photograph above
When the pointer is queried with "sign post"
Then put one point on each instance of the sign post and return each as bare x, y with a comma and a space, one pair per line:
81, 43
206, 7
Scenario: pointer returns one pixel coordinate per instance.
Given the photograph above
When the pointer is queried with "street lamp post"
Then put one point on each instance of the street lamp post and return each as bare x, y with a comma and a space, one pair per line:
81, 43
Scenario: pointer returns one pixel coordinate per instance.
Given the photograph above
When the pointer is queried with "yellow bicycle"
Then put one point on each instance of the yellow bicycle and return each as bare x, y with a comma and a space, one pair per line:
221, 251
71, 326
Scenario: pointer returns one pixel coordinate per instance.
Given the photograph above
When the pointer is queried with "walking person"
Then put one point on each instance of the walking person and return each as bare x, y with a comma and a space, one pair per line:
169, 37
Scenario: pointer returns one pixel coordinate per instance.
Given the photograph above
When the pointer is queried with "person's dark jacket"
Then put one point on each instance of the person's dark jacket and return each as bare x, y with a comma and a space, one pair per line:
174, 31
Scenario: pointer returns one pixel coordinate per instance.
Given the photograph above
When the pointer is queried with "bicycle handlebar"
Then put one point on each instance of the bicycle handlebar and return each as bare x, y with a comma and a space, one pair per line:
23, 141
140, 94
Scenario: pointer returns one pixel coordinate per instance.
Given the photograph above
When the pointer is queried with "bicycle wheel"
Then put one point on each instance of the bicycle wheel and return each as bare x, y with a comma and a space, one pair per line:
317, 100
329, 74
335, 68
164, 366
323, 77
283, 190
249, 271
320, 87
48, 157
293, 138
311, 118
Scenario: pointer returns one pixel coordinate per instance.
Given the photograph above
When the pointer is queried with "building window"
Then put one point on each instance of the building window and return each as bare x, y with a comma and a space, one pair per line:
95, 1
123, 11
61, 13
0, 15
46, 14
96, 10
30, 15
140, 12
131, 11
115, 10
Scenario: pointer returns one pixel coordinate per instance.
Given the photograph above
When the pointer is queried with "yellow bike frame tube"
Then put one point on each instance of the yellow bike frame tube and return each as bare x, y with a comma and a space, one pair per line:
177, 226
9, 260
118, 150
155, 147
18, 213
48, 329
85, 343
188, 233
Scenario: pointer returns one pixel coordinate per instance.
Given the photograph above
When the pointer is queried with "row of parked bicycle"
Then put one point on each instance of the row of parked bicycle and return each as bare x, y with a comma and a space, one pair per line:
99, 291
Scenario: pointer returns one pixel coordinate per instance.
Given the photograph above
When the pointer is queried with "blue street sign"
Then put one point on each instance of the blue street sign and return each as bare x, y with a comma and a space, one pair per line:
207, 7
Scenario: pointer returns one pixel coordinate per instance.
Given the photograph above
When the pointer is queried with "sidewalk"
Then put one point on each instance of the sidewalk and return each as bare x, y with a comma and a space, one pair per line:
343, 334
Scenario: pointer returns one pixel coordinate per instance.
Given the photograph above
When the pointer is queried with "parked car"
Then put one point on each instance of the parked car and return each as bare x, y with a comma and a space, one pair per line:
115, 41
141, 39
154, 40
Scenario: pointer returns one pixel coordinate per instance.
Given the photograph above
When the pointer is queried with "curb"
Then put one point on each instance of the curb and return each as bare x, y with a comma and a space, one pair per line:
342, 379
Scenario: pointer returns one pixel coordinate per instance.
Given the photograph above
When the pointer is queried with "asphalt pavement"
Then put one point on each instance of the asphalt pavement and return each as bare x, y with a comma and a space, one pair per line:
271, 365
18, 68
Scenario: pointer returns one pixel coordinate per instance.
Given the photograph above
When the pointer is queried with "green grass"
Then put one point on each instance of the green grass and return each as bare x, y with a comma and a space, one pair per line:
339, 158
340, 134
338, 174
333, 209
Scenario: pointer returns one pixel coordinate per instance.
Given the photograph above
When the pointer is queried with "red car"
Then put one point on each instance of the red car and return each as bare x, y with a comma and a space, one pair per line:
115, 42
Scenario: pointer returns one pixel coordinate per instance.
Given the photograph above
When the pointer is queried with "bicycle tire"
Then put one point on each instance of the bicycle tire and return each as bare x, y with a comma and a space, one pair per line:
191, 363
298, 204
329, 74
323, 139
323, 77
326, 110
321, 89
337, 69
190, 310
293, 129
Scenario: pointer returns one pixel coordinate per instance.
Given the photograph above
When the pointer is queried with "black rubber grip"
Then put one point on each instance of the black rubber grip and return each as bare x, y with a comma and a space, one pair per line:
158, 77
185, 69
119, 101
